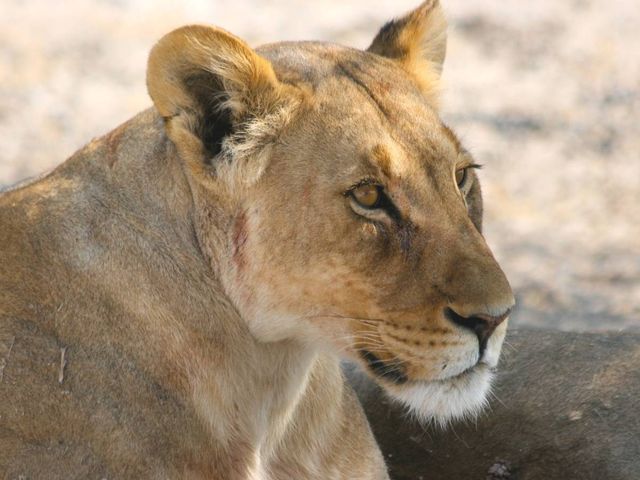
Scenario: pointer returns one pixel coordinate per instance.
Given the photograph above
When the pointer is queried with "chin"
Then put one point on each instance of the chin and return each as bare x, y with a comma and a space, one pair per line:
441, 402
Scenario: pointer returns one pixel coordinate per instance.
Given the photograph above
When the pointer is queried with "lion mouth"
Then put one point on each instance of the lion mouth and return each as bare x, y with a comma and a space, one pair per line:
460, 396
395, 373
480, 365
439, 401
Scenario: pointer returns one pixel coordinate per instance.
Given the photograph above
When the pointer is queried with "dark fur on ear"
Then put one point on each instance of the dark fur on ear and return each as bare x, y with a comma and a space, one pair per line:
205, 81
418, 41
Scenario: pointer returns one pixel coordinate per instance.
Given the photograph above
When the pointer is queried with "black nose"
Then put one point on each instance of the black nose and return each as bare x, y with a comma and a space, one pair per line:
482, 324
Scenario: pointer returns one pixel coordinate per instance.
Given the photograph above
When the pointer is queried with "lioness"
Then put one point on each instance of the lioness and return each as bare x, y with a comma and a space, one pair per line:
175, 298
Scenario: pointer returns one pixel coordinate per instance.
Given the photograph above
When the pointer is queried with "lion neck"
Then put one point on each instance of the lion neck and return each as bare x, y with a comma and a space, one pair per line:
243, 389
254, 396
261, 382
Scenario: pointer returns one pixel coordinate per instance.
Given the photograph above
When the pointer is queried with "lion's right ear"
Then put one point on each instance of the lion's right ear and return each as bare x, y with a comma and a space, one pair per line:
205, 82
418, 42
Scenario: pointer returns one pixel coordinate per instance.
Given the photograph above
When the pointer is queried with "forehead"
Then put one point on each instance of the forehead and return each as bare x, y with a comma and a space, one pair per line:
396, 125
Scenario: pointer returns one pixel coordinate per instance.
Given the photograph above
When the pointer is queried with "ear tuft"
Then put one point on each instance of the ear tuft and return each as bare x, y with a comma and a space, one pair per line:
418, 41
205, 81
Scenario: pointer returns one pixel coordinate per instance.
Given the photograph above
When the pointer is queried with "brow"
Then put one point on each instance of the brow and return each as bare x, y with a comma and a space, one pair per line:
382, 159
452, 137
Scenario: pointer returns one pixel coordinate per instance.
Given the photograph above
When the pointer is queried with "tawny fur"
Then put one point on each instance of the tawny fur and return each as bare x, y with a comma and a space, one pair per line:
202, 268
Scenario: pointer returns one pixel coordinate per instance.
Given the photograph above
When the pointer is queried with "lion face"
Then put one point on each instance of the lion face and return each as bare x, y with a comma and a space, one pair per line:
364, 231
359, 228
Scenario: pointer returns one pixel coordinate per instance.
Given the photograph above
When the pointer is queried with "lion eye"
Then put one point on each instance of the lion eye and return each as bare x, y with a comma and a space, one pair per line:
461, 176
367, 196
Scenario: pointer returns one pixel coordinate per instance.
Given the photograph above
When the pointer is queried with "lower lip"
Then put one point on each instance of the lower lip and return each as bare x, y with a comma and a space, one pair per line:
468, 371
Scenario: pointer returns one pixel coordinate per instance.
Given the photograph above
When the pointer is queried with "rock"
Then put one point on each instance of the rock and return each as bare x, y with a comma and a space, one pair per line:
565, 407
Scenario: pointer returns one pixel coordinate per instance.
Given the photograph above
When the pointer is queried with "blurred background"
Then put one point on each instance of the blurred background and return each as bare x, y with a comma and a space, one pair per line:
546, 95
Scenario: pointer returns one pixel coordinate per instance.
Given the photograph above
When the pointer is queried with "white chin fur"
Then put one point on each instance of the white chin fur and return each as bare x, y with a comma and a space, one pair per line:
443, 401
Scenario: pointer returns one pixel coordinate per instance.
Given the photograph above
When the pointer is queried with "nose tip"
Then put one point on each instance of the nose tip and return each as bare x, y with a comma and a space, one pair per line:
482, 324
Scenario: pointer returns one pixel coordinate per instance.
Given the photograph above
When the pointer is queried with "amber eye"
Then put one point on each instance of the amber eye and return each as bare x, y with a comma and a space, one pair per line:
367, 196
461, 176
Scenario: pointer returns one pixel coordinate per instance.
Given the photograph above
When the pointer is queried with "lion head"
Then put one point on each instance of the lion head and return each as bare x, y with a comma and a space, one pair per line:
335, 206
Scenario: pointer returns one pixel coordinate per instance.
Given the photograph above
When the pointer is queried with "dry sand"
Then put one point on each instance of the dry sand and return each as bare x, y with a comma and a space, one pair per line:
546, 95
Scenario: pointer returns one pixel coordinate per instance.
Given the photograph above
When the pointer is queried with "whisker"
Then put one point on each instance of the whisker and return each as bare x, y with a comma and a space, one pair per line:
371, 340
351, 338
360, 345
510, 345
375, 343
344, 317
494, 395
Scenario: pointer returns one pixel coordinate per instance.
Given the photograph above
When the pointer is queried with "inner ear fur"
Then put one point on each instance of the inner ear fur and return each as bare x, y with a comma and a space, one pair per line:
205, 82
418, 41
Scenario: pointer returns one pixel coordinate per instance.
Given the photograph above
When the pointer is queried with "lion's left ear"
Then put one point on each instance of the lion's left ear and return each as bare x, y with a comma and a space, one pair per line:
418, 41
207, 84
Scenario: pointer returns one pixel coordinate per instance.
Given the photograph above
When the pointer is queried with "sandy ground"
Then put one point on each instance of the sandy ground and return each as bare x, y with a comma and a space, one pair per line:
546, 94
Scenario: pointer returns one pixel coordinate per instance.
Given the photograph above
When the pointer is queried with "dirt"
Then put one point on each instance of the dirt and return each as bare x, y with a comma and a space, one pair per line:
545, 94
